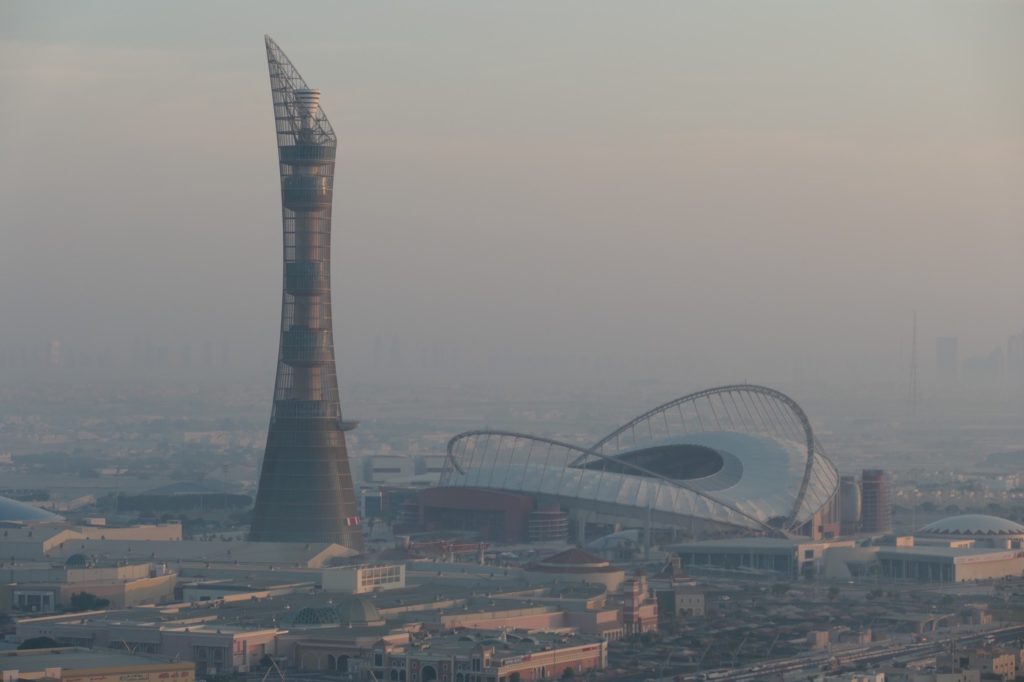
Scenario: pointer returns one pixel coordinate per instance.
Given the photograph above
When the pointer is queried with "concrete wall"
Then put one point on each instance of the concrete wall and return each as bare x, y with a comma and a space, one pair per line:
91, 575
595, 622
990, 569
537, 618
163, 531
241, 649
154, 590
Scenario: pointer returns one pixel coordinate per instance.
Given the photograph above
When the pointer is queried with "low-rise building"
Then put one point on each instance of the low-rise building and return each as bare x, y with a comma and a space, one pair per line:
215, 648
76, 664
983, 530
163, 544
785, 557
363, 578
486, 657
387, 467
335, 639
949, 564
252, 587
911, 675
933, 562
40, 587
166, 532
639, 611
576, 565
676, 593
991, 663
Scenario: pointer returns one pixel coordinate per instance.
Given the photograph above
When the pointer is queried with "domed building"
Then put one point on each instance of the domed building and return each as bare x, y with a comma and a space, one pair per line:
576, 565
79, 561
13, 512
355, 613
359, 613
984, 530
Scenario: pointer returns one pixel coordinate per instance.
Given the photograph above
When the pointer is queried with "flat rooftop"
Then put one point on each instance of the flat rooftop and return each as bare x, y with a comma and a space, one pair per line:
960, 555
506, 644
38, 660
398, 607
278, 554
780, 544
266, 613
258, 582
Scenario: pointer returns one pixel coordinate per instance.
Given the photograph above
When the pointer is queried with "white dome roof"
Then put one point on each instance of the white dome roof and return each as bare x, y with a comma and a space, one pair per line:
19, 512
973, 524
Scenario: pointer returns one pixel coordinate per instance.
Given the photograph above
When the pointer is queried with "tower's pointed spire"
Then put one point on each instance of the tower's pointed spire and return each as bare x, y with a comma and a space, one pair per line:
290, 112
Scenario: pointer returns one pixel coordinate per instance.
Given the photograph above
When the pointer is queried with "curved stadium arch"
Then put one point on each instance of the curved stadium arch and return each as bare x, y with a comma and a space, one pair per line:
736, 457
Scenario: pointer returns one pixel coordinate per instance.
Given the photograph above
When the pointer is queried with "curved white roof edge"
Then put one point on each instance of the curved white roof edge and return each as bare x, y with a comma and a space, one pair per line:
785, 474
13, 511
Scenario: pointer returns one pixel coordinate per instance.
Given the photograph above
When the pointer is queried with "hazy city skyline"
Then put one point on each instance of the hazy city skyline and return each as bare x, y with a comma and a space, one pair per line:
617, 342
749, 191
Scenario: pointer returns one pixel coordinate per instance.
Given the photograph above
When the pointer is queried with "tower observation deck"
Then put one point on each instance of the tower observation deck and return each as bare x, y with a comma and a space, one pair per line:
305, 491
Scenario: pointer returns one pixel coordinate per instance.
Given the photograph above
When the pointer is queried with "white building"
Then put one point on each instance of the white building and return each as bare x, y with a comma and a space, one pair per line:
364, 578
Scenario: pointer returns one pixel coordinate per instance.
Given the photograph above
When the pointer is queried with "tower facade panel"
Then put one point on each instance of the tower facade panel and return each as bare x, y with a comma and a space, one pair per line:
305, 491
876, 504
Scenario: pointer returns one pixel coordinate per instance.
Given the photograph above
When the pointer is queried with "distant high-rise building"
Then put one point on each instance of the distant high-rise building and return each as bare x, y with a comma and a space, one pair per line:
876, 503
396, 351
986, 370
913, 394
305, 491
1015, 358
947, 358
378, 351
54, 358
849, 505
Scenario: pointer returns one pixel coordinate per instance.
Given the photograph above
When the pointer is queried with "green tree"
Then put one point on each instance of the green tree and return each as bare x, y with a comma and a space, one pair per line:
87, 601
39, 643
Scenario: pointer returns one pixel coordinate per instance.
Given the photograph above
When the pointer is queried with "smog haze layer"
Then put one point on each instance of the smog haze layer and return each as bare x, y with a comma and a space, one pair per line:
525, 193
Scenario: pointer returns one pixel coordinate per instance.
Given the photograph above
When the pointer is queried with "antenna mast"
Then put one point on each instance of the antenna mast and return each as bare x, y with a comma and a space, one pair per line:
913, 367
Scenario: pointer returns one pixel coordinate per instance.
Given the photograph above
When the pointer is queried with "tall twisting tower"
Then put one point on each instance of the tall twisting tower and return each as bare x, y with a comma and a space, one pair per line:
305, 492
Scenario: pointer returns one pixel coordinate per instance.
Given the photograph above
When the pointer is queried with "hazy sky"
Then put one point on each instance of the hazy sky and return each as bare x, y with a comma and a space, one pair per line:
733, 189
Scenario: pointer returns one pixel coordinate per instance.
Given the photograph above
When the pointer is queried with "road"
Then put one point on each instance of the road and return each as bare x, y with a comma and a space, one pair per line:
867, 655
